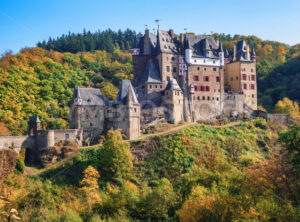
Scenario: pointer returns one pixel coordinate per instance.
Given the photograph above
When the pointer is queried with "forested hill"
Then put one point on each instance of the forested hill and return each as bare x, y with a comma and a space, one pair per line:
106, 40
41, 82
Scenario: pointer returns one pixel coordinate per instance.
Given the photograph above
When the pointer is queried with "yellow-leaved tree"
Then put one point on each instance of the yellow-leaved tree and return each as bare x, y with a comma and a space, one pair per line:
89, 185
287, 106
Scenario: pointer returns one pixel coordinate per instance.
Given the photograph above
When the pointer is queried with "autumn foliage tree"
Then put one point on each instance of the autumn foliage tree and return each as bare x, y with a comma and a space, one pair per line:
115, 157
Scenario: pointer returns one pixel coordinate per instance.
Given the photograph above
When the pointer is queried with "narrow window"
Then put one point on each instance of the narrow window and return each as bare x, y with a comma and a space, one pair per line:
218, 78
198, 68
208, 98
173, 58
245, 86
203, 97
168, 68
174, 69
207, 88
231, 78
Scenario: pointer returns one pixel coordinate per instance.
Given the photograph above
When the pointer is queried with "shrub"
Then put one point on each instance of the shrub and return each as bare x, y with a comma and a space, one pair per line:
260, 123
20, 166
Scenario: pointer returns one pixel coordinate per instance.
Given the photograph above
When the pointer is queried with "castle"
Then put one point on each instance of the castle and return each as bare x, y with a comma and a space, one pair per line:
189, 78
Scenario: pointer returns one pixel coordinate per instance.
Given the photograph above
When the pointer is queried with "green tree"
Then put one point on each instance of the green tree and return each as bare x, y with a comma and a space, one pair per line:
115, 156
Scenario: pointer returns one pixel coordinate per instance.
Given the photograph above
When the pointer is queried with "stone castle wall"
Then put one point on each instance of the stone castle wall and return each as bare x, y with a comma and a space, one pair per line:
17, 142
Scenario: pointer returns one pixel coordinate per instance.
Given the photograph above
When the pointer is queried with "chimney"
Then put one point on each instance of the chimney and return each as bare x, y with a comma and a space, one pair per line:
171, 32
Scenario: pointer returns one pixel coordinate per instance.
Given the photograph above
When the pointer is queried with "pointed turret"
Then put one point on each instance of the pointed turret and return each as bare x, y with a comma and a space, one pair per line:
126, 93
220, 47
253, 55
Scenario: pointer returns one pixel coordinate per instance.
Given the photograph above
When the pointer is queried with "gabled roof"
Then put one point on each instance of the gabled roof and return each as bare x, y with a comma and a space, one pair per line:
90, 96
151, 74
166, 42
173, 85
200, 44
34, 119
126, 93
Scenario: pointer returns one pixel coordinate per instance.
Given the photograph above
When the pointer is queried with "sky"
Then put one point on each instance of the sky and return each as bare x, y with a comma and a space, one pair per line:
25, 22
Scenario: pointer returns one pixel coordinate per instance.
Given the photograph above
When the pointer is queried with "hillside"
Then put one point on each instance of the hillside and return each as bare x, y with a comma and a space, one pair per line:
200, 173
41, 82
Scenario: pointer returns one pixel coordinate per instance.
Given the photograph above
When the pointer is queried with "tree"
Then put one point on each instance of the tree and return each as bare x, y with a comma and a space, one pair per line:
234, 149
287, 106
160, 200
115, 156
290, 139
89, 185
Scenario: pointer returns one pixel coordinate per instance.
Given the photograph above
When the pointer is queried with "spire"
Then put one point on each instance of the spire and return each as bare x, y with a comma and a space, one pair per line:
220, 46
253, 52
253, 55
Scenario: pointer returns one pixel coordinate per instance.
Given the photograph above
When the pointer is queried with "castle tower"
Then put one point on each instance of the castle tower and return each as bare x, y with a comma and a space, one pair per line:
127, 111
34, 125
240, 74
173, 101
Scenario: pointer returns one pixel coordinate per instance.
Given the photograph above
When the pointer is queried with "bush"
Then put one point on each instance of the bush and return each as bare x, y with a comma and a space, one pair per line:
260, 123
20, 166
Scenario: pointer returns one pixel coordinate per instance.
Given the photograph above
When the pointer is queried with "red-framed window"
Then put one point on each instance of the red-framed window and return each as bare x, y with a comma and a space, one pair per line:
196, 78
202, 88
245, 86
207, 88
252, 86
244, 77
253, 77
206, 78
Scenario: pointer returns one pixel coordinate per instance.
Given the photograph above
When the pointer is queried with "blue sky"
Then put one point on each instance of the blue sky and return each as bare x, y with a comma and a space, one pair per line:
25, 22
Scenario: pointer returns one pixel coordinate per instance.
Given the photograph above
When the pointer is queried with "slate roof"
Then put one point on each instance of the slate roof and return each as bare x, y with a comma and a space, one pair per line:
90, 96
123, 93
173, 85
200, 44
166, 43
151, 74
241, 50
34, 119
